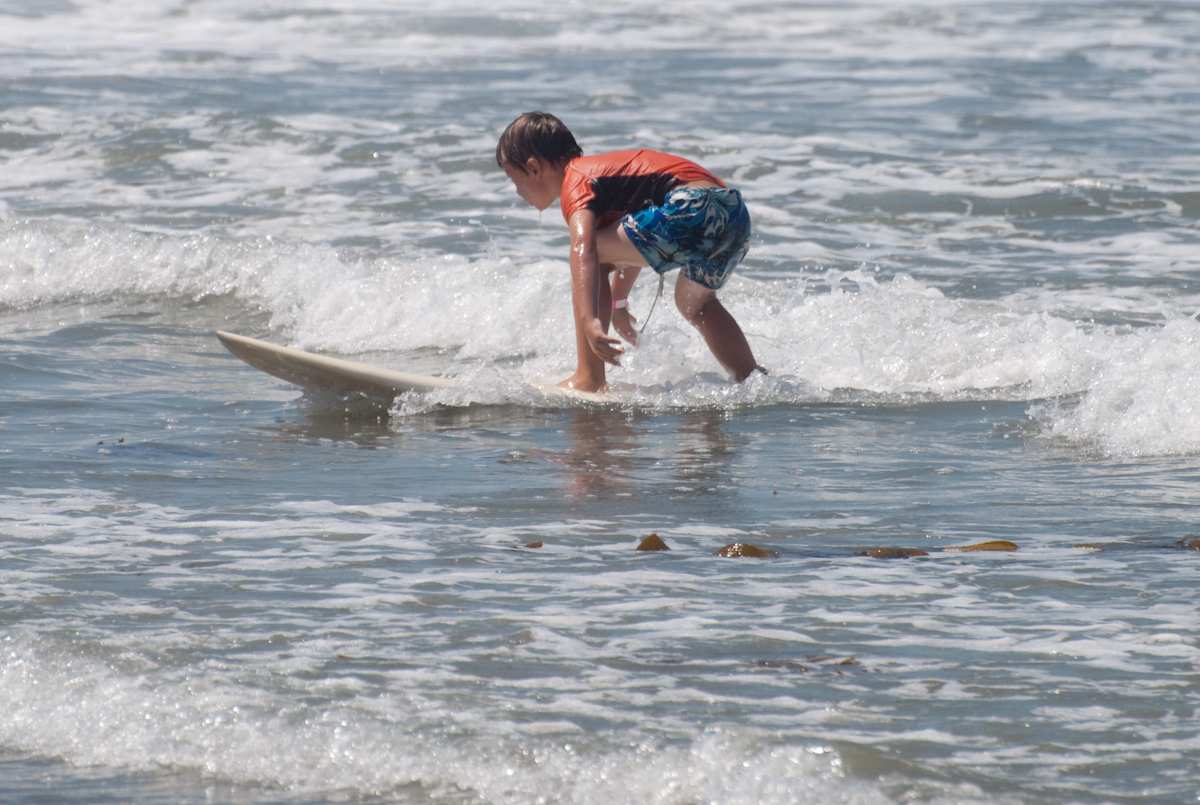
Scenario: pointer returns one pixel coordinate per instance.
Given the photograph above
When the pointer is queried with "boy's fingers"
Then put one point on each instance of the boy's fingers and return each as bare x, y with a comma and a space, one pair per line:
607, 348
626, 327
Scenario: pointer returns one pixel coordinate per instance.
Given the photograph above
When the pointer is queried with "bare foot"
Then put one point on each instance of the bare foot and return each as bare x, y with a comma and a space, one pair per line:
578, 382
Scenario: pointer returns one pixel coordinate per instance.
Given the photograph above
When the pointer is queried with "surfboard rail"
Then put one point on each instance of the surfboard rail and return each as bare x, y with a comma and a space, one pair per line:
311, 370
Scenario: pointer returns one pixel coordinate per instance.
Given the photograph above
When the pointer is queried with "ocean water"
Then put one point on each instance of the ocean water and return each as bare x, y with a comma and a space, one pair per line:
975, 278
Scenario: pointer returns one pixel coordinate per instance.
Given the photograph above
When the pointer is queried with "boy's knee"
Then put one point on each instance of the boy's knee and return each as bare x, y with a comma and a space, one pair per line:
685, 309
694, 310
692, 299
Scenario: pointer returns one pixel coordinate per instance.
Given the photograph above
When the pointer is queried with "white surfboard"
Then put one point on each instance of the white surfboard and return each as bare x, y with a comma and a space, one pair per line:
340, 376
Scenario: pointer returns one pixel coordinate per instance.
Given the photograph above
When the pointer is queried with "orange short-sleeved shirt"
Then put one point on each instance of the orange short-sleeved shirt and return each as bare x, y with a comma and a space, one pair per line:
620, 182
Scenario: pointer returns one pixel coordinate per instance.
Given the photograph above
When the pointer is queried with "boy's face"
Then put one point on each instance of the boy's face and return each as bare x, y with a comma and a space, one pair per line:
537, 184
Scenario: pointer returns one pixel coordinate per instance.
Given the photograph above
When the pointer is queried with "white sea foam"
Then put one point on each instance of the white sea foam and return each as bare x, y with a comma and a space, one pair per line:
503, 326
1145, 400
115, 712
1013, 220
359, 665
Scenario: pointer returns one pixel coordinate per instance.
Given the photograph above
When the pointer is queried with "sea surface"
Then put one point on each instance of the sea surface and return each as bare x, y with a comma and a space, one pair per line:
975, 279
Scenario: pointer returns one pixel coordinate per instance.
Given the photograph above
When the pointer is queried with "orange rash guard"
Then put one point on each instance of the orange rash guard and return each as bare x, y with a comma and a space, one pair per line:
620, 182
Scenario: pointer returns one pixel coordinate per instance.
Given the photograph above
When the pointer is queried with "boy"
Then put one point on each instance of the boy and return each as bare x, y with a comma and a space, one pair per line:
625, 210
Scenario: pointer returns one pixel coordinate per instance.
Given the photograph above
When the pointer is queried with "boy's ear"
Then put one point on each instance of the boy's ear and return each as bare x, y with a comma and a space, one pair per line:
533, 166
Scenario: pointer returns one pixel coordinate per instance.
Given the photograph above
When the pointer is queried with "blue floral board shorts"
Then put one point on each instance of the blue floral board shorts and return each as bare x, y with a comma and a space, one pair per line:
704, 231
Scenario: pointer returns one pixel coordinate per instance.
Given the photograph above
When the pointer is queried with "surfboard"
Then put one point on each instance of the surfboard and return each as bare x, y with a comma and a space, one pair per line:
310, 370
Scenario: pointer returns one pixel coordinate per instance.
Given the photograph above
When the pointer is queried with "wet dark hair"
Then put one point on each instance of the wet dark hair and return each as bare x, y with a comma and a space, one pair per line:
536, 134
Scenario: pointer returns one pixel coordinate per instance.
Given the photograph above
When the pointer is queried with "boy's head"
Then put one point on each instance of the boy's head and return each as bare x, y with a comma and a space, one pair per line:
534, 151
536, 135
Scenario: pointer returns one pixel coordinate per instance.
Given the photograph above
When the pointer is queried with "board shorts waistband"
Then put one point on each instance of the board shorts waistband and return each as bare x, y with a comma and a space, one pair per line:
704, 231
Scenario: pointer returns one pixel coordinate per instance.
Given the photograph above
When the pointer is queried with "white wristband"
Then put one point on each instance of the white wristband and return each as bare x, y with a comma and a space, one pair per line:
618, 304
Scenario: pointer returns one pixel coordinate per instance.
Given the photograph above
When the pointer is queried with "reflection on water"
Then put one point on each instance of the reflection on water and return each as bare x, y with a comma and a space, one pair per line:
705, 453
600, 456
614, 453
602, 453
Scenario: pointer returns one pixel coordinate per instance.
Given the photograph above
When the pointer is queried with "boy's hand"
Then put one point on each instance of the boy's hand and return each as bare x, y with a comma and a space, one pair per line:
624, 322
603, 344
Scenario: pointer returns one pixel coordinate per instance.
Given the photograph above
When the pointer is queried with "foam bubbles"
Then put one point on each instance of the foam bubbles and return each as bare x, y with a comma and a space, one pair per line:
504, 328
1144, 400
147, 718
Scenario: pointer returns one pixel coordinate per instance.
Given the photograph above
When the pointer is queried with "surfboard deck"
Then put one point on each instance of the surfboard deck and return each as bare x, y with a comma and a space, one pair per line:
325, 373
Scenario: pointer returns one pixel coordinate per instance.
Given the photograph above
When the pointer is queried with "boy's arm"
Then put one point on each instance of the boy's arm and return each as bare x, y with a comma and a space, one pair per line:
586, 277
622, 319
622, 281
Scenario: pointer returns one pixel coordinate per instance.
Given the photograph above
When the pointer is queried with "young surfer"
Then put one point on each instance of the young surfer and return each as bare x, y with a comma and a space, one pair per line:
625, 210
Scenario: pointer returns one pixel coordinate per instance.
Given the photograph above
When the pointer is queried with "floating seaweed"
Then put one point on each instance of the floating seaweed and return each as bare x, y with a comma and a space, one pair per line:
990, 545
741, 550
652, 542
892, 553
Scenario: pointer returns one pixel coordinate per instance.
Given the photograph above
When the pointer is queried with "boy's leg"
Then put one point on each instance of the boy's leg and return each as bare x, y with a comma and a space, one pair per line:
625, 262
700, 306
613, 246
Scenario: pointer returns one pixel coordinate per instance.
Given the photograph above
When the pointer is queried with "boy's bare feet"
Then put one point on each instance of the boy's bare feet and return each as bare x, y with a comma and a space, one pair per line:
583, 382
